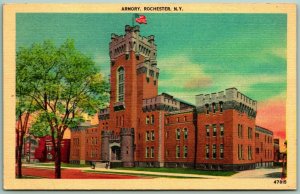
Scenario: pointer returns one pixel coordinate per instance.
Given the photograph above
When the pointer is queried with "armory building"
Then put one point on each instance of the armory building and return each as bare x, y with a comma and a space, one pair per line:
143, 128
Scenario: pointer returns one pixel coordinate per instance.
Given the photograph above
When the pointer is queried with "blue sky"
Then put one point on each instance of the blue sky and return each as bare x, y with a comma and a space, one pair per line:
197, 53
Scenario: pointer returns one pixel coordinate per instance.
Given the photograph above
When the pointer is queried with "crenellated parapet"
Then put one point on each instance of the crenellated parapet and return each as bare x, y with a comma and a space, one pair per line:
161, 102
263, 130
132, 41
106, 133
149, 68
127, 132
230, 99
103, 114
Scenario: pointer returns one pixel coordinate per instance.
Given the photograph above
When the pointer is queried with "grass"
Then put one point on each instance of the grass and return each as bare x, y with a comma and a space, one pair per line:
64, 165
140, 174
181, 171
30, 177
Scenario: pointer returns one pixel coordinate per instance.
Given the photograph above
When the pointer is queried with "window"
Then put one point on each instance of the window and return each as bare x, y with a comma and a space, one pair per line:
154, 82
167, 134
221, 106
207, 108
214, 130
249, 153
177, 152
184, 118
152, 119
185, 131
177, 119
221, 151
147, 152
207, 130
214, 107
147, 136
257, 135
242, 157
120, 85
214, 151
147, 120
152, 152
240, 131
257, 150
240, 152
177, 134
185, 151
222, 130
207, 151
152, 135
49, 148
249, 133
167, 121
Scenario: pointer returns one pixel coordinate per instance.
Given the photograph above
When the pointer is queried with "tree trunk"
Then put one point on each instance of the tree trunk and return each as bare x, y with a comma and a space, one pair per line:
58, 159
19, 158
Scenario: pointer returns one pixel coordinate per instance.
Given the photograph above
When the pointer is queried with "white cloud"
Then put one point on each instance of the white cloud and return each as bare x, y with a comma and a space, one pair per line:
179, 71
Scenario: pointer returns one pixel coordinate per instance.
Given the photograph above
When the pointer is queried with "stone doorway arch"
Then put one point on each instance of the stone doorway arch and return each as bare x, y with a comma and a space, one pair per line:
114, 152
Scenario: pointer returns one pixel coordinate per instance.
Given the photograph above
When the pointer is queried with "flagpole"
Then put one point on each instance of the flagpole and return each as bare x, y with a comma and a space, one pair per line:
133, 19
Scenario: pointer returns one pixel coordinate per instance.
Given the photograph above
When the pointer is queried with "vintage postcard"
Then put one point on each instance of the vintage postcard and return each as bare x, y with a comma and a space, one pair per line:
149, 96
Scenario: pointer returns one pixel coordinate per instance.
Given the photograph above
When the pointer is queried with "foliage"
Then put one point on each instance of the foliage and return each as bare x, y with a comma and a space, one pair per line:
63, 83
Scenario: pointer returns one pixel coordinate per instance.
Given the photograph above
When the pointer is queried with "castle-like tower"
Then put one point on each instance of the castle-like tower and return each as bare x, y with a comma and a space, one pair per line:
133, 77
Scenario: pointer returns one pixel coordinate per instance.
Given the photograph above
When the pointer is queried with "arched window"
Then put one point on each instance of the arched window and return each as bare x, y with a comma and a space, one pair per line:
221, 106
178, 134
185, 132
120, 84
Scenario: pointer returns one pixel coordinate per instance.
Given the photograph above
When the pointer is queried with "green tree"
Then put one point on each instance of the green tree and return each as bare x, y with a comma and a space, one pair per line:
24, 109
65, 84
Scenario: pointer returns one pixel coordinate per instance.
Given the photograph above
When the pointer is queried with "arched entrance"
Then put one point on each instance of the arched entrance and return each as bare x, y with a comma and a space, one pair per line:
115, 152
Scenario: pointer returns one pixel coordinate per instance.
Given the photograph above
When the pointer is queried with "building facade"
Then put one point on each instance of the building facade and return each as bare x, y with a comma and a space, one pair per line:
40, 149
143, 128
264, 147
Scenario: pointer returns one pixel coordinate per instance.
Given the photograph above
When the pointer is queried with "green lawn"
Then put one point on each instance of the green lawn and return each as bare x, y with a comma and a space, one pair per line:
181, 171
140, 174
64, 165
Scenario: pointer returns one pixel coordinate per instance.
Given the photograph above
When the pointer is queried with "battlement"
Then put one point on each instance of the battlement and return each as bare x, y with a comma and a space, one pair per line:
230, 94
104, 111
127, 132
263, 130
103, 114
132, 41
161, 102
106, 133
149, 68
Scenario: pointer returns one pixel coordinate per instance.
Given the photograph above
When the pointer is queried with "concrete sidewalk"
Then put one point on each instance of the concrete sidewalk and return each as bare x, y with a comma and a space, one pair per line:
104, 170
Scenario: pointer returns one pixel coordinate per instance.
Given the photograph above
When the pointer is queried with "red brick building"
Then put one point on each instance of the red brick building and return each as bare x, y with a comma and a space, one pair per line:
264, 147
40, 149
143, 128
